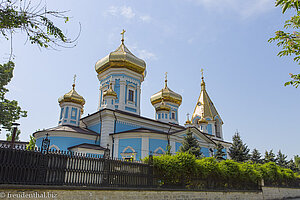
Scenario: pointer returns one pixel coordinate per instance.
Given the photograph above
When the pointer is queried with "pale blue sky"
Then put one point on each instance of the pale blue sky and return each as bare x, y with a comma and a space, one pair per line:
228, 38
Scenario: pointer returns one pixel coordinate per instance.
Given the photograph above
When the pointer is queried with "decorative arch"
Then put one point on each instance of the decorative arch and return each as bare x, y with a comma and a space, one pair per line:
129, 153
54, 146
159, 151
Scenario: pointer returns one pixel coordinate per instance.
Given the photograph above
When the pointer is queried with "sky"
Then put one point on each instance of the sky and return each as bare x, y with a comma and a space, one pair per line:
227, 38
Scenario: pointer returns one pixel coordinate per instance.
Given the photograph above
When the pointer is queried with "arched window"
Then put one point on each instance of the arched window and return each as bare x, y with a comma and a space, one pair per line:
218, 128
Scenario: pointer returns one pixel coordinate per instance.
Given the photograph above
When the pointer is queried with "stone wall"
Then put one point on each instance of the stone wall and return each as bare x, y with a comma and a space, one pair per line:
112, 194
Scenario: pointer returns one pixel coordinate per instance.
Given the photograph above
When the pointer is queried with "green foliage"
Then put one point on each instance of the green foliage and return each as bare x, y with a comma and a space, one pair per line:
219, 155
297, 161
191, 145
182, 169
34, 21
269, 156
9, 135
289, 41
31, 144
10, 110
255, 156
281, 159
239, 151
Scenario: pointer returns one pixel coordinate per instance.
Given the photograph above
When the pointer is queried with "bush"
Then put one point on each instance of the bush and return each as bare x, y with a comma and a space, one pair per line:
184, 170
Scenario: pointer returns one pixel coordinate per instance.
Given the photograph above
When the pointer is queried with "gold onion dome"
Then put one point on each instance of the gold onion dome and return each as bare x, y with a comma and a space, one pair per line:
73, 97
163, 106
203, 121
110, 92
167, 94
121, 58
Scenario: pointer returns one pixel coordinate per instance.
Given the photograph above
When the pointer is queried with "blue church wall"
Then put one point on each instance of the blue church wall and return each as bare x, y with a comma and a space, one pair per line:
135, 143
122, 126
205, 151
156, 143
177, 146
95, 127
130, 109
117, 89
63, 143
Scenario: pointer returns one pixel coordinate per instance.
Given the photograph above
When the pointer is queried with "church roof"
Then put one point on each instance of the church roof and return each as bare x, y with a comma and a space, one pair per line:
87, 146
205, 107
136, 116
143, 130
69, 128
121, 58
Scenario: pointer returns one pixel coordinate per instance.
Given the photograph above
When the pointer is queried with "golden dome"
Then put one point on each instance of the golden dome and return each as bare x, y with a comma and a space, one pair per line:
203, 121
110, 92
121, 58
73, 97
162, 107
167, 94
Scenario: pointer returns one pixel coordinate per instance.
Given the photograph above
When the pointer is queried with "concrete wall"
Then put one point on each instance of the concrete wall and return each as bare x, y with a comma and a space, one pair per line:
65, 194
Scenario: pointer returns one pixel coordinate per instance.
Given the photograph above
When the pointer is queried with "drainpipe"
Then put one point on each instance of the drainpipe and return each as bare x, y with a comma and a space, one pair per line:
100, 131
113, 138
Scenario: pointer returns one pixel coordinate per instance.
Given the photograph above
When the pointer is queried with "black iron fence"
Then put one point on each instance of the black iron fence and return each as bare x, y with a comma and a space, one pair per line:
26, 167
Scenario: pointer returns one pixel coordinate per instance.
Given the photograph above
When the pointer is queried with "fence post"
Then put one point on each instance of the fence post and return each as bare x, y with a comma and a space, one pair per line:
42, 169
106, 172
150, 171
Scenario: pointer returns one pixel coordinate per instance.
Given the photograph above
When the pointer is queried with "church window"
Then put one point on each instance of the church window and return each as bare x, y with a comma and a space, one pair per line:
61, 112
130, 95
158, 116
162, 115
166, 116
217, 128
173, 115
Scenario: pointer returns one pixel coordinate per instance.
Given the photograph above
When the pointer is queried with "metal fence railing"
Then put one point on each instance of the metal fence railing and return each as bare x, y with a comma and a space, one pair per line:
27, 167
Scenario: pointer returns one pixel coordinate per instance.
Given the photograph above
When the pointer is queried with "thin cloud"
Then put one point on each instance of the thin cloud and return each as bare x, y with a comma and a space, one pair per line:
126, 12
245, 9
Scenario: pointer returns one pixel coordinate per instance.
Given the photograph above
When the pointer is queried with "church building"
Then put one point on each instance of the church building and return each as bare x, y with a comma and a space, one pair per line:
117, 124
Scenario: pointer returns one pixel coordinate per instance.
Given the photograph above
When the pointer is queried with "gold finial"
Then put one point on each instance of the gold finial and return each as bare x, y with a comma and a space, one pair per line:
188, 116
74, 80
123, 32
202, 73
166, 79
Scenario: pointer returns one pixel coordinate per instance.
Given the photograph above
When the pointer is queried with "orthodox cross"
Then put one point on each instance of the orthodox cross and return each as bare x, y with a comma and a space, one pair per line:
202, 73
74, 79
166, 79
123, 33
188, 116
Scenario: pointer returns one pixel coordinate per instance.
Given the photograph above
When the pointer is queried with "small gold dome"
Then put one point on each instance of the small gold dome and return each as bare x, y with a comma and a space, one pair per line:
110, 92
167, 94
162, 107
73, 97
203, 121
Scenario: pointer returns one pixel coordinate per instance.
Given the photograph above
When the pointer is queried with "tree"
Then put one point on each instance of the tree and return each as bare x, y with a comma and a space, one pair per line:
281, 159
238, 151
35, 22
10, 111
219, 155
269, 156
9, 135
191, 145
291, 165
297, 161
289, 41
255, 156
31, 144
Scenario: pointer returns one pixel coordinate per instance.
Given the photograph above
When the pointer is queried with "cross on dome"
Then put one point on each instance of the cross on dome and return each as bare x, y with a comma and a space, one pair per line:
123, 33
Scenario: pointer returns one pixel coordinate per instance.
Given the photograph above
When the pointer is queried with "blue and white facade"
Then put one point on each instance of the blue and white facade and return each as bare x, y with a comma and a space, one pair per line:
117, 124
